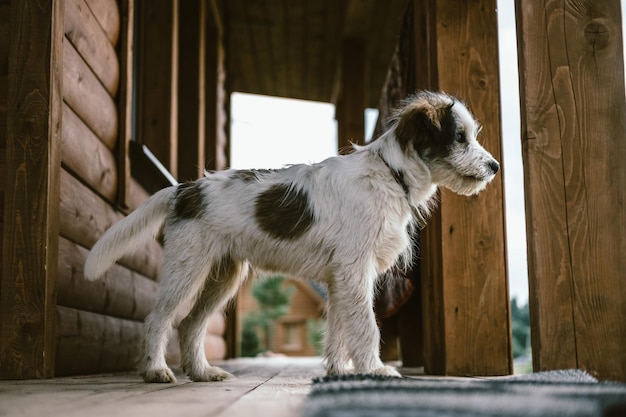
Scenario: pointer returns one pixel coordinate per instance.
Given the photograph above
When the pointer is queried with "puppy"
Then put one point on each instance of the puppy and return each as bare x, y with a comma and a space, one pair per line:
342, 222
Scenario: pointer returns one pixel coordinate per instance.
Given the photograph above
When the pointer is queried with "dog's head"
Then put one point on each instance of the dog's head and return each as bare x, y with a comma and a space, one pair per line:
442, 132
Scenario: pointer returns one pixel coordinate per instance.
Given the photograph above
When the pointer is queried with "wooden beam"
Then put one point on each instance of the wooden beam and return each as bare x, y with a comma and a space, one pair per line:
31, 228
190, 92
573, 129
463, 259
125, 100
216, 98
158, 83
351, 103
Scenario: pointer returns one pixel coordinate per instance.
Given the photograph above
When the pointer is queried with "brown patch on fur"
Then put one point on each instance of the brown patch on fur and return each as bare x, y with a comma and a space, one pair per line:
283, 212
188, 202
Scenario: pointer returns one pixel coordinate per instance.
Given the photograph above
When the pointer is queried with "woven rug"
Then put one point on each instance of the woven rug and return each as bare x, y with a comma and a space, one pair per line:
556, 393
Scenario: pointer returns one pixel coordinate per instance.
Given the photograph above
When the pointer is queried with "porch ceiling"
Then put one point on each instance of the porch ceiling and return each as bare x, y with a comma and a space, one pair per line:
291, 48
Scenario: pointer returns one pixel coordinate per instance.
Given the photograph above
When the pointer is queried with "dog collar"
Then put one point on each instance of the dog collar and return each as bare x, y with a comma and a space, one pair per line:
399, 177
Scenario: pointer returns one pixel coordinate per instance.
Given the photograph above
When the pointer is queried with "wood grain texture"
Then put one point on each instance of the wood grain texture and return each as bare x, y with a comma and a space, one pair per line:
190, 92
573, 125
275, 388
88, 343
83, 30
84, 217
30, 239
125, 102
351, 104
84, 93
157, 84
108, 15
119, 293
467, 248
87, 157
216, 141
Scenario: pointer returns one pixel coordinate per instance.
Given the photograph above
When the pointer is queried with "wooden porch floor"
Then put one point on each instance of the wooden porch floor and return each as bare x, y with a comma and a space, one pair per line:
273, 387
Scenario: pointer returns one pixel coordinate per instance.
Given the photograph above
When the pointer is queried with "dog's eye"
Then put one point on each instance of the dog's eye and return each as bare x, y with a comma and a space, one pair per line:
460, 137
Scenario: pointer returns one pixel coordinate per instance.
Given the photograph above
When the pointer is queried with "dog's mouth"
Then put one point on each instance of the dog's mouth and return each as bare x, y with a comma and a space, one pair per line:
478, 178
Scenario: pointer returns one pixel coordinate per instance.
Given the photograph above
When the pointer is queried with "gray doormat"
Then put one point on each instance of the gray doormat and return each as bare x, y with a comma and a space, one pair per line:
556, 393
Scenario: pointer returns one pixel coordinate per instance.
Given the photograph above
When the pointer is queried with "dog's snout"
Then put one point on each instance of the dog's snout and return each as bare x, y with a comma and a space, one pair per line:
494, 166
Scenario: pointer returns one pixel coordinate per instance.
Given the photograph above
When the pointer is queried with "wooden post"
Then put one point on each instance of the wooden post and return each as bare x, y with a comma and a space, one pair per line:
191, 90
31, 210
125, 101
351, 103
158, 82
573, 130
216, 98
463, 258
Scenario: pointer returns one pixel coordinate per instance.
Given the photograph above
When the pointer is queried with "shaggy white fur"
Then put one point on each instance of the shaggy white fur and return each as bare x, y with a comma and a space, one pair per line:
342, 222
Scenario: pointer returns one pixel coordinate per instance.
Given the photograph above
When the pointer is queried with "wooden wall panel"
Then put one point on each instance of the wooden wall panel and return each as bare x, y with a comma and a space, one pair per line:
83, 30
87, 97
87, 157
157, 87
216, 96
190, 91
108, 15
91, 343
573, 129
351, 103
119, 293
463, 247
30, 238
84, 217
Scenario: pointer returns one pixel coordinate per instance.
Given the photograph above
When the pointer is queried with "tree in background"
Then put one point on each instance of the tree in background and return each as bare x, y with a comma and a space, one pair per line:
520, 328
273, 302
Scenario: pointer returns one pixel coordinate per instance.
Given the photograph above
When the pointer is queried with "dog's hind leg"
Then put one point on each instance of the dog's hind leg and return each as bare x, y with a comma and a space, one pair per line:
220, 286
359, 330
183, 274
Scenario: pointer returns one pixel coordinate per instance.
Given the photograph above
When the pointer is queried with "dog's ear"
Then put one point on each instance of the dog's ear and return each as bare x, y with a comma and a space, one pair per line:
425, 126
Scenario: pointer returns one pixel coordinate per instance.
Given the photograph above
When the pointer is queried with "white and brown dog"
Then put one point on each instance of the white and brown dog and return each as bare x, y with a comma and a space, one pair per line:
342, 222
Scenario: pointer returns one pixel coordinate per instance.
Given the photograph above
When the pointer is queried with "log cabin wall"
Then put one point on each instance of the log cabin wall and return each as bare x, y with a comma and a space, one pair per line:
115, 306
53, 322
98, 323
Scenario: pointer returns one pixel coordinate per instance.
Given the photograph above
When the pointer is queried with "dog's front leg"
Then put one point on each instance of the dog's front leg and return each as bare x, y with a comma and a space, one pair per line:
336, 354
353, 306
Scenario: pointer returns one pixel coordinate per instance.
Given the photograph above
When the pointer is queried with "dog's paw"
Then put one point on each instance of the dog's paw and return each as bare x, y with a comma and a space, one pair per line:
387, 371
210, 374
159, 375
333, 370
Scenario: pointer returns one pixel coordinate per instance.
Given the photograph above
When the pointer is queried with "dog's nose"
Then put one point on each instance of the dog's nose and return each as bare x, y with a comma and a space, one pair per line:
494, 166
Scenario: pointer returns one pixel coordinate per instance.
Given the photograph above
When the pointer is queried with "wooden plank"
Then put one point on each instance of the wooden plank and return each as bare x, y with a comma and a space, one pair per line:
84, 217
573, 125
215, 137
288, 381
119, 293
5, 25
29, 258
84, 93
85, 155
89, 343
125, 100
158, 82
190, 94
108, 15
463, 248
87, 36
351, 104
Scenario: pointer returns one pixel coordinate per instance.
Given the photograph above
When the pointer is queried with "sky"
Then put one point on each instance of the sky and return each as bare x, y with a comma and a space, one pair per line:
269, 132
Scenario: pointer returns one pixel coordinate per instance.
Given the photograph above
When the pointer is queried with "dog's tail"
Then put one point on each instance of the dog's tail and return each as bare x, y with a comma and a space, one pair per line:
120, 239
